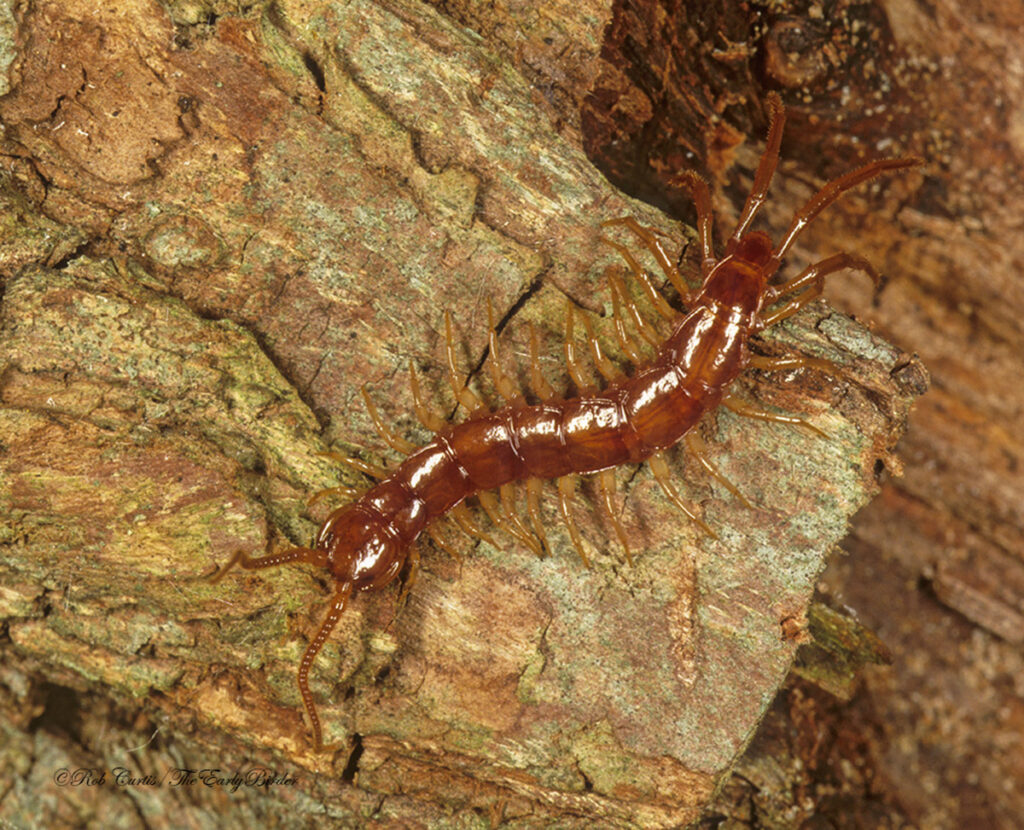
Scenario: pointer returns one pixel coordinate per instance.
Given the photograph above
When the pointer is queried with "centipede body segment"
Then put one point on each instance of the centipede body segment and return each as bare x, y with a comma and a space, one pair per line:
531, 439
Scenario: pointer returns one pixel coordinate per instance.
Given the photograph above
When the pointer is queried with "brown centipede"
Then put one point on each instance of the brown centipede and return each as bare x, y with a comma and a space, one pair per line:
366, 543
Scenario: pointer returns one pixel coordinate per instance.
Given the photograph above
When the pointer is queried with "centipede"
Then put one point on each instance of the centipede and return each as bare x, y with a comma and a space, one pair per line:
538, 437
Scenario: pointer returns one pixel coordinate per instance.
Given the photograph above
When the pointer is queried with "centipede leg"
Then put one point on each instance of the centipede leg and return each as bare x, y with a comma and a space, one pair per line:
533, 494
507, 495
494, 511
338, 603
604, 366
464, 519
647, 236
372, 470
411, 575
432, 421
565, 489
749, 410
465, 396
662, 475
344, 492
571, 361
541, 388
396, 442
657, 300
502, 382
814, 274
698, 449
792, 307
647, 331
443, 544
787, 362
629, 345
606, 481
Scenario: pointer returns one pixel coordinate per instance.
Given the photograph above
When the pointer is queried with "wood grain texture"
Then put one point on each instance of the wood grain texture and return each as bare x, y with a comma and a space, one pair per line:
216, 231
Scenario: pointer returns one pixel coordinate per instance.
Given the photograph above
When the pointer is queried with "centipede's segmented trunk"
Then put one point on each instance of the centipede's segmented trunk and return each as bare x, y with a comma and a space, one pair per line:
538, 437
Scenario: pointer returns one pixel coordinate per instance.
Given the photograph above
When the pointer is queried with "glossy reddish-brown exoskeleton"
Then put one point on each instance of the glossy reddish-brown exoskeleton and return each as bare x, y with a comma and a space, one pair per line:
366, 543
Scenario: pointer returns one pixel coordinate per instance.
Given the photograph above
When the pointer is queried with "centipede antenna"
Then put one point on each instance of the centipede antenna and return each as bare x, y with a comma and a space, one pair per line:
242, 560
565, 492
396, 442
465, 396
430, 420
787, 362
326, 627
372, 470
662, 475
606, 481
832, 191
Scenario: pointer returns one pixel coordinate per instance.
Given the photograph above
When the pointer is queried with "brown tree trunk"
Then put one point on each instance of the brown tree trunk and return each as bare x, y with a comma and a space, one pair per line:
216, 230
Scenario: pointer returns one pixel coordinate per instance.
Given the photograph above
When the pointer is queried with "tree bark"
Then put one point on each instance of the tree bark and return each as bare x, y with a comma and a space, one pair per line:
217, 230
936, 565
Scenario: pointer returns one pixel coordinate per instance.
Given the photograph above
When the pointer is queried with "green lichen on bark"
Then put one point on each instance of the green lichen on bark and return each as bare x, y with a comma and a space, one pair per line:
166, 395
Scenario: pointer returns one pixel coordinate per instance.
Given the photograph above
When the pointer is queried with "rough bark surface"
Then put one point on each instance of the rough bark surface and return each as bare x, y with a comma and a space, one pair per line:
937, 564
218, 224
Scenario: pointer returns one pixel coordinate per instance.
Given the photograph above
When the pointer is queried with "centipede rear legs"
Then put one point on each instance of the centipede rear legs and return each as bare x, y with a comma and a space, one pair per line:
249, 563
338, 602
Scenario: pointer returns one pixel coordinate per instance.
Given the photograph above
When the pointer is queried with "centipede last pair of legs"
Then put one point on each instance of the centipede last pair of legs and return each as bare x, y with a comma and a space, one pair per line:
540, 436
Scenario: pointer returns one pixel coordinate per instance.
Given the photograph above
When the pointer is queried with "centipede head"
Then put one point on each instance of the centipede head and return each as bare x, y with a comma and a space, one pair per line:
359, 549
